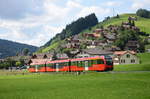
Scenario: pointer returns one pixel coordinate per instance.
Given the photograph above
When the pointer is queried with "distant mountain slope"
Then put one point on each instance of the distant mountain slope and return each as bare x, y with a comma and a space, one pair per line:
9, 48
142, 23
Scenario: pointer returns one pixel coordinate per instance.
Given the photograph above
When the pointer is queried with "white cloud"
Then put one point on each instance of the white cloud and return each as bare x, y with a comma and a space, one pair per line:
112, 3
51, 21
140, 4
137, 6
93, 9
51, 14
74, 4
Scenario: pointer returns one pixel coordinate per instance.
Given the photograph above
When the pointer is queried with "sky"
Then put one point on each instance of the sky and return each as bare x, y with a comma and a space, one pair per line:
35, 22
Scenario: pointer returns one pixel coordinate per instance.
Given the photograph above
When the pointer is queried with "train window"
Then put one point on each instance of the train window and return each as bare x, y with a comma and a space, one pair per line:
90, 63
94, 61
59, 65
74, 63
42, 65
32, 66
49, 65
66, 64
100, 61
109, 62
54, 65
62, 64
80, 63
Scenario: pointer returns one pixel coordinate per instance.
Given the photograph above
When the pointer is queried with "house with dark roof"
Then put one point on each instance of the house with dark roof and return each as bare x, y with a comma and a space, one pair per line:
132, 45
94, 52
61, 56
42, 56
125, 57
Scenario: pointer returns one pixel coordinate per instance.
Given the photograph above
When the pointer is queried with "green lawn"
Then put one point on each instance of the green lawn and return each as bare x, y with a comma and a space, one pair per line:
85, 86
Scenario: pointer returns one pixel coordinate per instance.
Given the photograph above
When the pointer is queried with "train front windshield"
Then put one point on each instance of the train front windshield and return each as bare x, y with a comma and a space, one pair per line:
109, 60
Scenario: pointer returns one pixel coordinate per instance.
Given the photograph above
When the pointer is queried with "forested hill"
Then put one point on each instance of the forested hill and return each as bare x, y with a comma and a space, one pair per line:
142, 23
74, 28
9, 48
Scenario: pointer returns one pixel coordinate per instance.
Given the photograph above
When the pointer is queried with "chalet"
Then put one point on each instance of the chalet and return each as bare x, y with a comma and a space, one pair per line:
72, 45
94, 52
135, 28
95, 35
62, 56
38, 61
110, 37
98, 31
42, 56
132, 45
112, 48
125, 57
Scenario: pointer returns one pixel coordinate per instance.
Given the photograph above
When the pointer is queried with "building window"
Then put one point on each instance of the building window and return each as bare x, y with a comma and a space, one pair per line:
132, 61
128, 56
122, 61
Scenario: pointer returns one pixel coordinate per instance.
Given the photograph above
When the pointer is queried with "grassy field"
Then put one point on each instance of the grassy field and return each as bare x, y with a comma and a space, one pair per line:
85, 86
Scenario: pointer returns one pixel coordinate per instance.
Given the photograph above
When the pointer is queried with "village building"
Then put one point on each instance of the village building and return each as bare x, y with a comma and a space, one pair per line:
94, 52
42, 56
37, 61
94, 35
62, 56
125, 57
132, 45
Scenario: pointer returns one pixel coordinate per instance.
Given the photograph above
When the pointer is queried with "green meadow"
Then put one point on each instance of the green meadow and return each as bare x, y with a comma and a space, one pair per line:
90, 85
70, 86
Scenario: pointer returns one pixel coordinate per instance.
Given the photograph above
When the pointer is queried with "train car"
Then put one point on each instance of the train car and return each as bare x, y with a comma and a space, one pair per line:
72, 65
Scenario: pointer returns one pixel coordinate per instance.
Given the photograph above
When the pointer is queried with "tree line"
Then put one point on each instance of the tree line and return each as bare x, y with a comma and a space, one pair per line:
15, 61
143, 13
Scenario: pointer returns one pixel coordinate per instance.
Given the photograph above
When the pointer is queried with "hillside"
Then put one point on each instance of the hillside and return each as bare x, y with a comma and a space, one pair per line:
142, 23
9, 48
74, 28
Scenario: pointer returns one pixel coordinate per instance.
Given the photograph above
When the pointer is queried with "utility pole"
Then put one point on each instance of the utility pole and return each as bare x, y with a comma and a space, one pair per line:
113, 12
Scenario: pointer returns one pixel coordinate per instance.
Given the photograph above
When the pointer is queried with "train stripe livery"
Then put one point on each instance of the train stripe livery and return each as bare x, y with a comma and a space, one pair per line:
79, 64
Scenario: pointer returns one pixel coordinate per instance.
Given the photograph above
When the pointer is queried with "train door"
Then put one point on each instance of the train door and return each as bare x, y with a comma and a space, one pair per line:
57, 67
86, 65
36, 68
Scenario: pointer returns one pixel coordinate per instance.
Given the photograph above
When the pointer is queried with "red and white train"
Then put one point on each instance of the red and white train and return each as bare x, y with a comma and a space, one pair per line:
97, 63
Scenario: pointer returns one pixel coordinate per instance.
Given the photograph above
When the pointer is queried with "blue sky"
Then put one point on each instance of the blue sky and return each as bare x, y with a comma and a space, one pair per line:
35, 22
